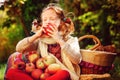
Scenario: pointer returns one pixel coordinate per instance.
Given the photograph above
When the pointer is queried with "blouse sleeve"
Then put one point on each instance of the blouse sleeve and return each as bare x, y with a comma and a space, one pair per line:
72, 50
25, 46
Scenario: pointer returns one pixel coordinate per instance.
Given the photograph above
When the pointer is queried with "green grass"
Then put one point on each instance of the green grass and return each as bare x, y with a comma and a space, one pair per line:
2, 70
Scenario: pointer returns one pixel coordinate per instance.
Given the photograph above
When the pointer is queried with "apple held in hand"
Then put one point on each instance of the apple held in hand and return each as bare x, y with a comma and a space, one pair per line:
33, 57
46, 29
19, 64
36, 73
49, 60
40, 64
29, 67
44, 76
53, 68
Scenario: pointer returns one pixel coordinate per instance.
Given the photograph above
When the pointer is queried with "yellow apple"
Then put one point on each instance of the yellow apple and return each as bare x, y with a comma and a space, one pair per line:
53, 68
49, 60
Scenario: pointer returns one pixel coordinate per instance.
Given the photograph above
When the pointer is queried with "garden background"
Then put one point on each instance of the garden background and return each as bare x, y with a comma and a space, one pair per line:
97, 17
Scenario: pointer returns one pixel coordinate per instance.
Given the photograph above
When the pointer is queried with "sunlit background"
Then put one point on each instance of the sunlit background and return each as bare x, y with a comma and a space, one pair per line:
97, 17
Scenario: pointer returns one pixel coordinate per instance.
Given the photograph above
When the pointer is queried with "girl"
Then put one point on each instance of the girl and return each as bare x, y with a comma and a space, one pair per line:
53, 38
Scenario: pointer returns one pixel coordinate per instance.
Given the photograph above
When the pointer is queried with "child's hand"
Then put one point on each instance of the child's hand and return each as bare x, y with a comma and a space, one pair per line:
54, 33
39, 32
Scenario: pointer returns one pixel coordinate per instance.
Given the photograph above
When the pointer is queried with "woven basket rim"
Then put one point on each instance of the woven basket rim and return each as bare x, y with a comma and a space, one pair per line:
102, 58
100, 52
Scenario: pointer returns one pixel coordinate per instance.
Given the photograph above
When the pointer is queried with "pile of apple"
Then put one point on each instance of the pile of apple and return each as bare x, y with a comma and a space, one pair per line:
39, 68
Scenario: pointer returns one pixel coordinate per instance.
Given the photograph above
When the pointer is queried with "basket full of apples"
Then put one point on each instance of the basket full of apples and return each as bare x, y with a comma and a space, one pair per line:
39, 68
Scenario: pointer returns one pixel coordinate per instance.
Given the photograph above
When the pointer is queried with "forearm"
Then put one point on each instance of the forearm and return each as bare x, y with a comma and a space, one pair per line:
26, 45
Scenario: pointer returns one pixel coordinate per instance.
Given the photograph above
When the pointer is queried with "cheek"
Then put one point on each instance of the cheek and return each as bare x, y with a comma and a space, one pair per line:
57, 23
44, 24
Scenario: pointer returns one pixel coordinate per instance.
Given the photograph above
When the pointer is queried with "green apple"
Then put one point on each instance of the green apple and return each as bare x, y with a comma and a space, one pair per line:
49, 60
40, 64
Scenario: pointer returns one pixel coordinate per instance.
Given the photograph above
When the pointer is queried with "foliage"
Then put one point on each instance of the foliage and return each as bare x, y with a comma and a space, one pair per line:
11, 32
25, 11
100, 18
101, 23
18, 16
9, 38
2, 70
31, 10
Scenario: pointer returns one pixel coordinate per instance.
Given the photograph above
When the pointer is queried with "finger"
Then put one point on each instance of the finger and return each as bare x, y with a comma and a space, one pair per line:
53, 27
49, 31
49, 34
43, 30
56, 28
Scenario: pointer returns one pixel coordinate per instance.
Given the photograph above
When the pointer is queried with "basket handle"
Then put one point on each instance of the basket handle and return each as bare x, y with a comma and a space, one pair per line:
95, 39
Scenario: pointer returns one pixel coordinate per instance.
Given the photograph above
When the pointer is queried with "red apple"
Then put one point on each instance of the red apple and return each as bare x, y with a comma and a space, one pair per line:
19, 63
18, 55
36, 73
53, 68
32, 52
29, 67
46, 29
44, 76
46, 70
40, 64
49, 60
33, 57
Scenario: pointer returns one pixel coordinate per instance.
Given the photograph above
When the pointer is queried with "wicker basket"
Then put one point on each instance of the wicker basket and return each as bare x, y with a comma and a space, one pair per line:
99, 59
105, 76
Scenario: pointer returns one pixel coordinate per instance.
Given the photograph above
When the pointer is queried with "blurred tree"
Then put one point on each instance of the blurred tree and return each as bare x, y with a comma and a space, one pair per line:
98, 17
31, 10
24, 11
20, 14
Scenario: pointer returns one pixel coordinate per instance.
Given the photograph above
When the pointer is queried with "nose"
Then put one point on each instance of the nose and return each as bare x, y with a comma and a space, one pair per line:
47, 21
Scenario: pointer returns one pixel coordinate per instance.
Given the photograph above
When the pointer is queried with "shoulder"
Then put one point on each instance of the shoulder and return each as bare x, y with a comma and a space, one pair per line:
72, 39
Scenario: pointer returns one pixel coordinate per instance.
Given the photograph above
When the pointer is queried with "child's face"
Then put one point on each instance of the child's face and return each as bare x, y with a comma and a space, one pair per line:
50, 17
